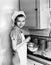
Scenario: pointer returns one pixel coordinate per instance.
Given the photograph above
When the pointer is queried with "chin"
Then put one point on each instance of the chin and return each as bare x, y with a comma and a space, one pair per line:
20, 26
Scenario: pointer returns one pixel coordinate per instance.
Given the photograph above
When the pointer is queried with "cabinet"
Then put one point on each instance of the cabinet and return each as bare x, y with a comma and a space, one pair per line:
37, 13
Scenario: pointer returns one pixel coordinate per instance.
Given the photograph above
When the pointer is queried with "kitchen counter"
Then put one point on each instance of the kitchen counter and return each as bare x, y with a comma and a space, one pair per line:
38, 59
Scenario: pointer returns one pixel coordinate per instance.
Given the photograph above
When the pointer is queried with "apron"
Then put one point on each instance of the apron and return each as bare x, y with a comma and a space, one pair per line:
22, 51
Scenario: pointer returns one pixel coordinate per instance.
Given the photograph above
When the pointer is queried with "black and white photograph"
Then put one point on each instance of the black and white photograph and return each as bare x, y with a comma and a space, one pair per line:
25, 32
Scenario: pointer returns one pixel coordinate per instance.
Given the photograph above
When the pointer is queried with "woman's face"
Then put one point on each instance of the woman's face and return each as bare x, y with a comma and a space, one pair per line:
21, 22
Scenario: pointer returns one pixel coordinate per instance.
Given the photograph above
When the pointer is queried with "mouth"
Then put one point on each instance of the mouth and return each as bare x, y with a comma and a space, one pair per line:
20, 26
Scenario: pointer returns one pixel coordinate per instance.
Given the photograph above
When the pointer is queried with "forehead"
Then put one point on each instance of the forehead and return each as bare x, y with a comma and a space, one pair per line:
21, 18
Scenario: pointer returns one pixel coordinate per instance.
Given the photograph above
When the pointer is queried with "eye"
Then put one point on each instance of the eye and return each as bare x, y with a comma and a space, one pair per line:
23, 21
18, 21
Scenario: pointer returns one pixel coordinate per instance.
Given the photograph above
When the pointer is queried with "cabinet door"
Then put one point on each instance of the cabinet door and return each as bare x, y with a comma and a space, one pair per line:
28, 6
44, 14
37, 13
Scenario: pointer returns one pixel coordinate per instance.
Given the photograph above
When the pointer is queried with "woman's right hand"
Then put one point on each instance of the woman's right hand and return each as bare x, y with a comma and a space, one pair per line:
24, 42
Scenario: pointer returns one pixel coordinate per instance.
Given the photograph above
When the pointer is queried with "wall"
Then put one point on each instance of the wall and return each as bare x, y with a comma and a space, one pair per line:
6, 9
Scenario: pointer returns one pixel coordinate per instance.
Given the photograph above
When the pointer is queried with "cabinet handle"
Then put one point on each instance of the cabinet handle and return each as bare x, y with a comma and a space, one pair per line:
36, 9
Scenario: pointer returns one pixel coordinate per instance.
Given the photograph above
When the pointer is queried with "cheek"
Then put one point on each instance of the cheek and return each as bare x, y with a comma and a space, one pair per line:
18, 23
23, 23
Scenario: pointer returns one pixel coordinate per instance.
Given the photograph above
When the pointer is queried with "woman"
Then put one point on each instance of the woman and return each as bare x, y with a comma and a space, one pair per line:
19, 42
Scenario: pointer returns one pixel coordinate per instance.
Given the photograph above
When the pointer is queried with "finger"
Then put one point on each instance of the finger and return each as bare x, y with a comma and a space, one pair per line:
27, 40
